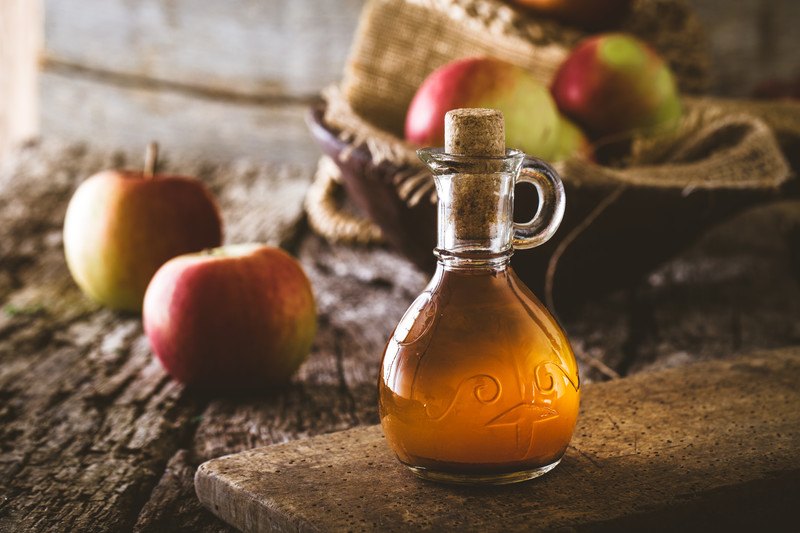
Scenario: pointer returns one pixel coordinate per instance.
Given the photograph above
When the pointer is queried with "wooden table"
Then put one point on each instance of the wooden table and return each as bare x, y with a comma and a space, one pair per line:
95, 437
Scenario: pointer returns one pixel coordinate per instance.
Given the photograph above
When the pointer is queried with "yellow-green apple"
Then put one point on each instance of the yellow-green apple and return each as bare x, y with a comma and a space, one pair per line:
122, 225
571, 141
533, 123
614, 84
589, 14
235, 318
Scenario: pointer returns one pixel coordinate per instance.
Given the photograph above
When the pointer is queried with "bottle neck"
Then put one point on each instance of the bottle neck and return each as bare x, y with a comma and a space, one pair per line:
475, 220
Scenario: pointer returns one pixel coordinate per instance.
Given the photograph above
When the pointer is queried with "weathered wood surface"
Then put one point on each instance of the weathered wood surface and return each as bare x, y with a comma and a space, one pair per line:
128, 116
95, 437
279, 48
646, 448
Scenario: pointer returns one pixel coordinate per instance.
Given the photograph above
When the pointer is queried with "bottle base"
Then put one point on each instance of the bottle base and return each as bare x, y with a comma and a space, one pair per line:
505, 478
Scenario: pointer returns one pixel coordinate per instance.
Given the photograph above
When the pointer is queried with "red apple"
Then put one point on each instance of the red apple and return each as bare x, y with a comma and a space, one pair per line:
234, 318
121, 225
614, 84
589, 14
533, 123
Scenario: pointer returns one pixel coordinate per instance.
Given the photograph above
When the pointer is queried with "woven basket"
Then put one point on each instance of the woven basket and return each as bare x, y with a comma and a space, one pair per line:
620, 222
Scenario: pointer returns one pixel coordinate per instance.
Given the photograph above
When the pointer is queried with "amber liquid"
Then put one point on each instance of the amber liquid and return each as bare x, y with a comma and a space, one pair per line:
478, 378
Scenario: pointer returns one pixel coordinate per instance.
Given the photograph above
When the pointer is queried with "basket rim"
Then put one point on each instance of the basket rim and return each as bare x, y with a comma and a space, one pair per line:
349, 146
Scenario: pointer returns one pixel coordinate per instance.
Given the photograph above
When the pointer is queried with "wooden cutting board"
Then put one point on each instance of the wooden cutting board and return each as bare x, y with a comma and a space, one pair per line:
713, 444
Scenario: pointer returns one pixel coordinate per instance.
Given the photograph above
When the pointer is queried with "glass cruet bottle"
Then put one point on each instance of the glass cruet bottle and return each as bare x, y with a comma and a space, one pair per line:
478, 382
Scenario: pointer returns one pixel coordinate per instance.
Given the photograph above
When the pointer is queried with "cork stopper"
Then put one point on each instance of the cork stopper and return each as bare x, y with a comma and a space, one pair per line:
476, 197
475, 132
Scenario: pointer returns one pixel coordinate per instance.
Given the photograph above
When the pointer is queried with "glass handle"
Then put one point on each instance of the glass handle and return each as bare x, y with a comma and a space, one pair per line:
552, 202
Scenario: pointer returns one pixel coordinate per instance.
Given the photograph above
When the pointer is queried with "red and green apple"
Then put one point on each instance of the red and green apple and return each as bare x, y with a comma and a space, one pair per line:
235, 318
614, 84
122, 225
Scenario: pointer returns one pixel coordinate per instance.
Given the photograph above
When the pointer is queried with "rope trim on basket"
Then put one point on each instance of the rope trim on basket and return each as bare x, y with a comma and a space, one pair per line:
414, 182
382, 145
327, 218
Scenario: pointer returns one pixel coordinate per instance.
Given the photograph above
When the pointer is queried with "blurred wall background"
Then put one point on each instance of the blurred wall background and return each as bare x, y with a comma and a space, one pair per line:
233, 78
20, 45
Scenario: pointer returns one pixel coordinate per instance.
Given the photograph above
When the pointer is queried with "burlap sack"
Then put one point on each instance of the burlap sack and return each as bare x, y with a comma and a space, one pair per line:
399, 42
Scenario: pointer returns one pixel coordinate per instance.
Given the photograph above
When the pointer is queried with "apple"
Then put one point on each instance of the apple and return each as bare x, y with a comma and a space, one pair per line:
588, 14
533, 123
234, 318
613, 84
571, 141
122, 225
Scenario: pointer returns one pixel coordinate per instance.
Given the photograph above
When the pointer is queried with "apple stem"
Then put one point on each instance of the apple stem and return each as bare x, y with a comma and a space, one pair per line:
151, 160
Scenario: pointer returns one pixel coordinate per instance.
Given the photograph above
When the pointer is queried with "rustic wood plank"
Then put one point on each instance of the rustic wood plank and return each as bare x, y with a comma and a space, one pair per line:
245, 47
643, 446
118, 116
20, 41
